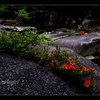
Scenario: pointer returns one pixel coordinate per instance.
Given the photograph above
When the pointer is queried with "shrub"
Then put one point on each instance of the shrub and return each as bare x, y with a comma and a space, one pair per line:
27, 46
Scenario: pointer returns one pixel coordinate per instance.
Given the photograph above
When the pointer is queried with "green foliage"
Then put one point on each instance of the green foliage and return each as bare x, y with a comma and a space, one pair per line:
45, 41
15, 42
26, 45
3, 9
22, 14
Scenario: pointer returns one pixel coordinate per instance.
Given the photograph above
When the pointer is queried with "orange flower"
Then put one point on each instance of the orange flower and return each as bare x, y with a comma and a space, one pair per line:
81, 33
39, 43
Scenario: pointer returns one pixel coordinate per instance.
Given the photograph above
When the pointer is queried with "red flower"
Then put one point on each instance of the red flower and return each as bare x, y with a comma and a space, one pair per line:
72, 63
72, 67
87, 82
89, 69
67, 59
39, 43
66, 66
81, 33
84, 69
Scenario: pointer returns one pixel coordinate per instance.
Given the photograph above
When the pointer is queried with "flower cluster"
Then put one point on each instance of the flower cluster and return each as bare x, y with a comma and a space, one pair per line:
89, 82
62, 62
56, 59
80, 70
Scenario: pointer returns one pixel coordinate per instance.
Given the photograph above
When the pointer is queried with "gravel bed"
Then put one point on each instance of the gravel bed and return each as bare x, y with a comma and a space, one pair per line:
22, 77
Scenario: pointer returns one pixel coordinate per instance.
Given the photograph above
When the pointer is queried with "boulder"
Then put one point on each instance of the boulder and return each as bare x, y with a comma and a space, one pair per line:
84, 45
16, 28
56, 36
59, 35
84, 61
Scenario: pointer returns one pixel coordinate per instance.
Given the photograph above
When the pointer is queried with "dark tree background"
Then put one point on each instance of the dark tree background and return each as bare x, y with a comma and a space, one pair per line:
40, 15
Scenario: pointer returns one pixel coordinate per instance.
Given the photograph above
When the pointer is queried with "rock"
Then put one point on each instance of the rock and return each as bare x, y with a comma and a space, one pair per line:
84, 61
16, 28
21, 28
22, 77
2, 21
56, 36
90, 57
27, 74
85, 45
59, 35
